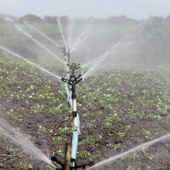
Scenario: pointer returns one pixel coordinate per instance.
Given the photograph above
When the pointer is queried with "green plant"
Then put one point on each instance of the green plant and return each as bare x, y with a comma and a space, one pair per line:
37, 108
133, 168
2, 164
58, 140
127, 127
13, 150
117, 147
3, 136
111, 119
59, 153
147, 134
150, 157
55, 110
132, 156
25, 166
86, 155
43, 129
48, 168
65, 130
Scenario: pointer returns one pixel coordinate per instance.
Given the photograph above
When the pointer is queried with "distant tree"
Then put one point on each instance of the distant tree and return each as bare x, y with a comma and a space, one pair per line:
155, 39
31, 17
65, 19
50, 19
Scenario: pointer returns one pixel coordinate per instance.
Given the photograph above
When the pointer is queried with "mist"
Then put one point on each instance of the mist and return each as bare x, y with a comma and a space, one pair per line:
94, 42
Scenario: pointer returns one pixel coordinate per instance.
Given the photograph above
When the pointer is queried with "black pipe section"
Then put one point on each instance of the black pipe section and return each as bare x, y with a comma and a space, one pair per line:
55, 160
83, 166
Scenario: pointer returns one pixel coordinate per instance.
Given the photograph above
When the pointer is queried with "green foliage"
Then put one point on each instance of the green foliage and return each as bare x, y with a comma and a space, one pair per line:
126, 96
87, 155
150, 157
133, 168
48, 168
43, 129
91, 141
25, 166
2, 136
132, 156
59, 153
147, 134
117, 147
2, 164
13, 150
58, 140
111, 119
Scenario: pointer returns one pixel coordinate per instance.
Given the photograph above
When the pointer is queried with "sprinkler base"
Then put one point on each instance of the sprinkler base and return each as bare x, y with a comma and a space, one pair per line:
77, 167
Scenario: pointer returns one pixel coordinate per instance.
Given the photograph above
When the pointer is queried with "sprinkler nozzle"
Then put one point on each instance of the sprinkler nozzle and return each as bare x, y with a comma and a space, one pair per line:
73, 80
73, 67
66, 81
56, 161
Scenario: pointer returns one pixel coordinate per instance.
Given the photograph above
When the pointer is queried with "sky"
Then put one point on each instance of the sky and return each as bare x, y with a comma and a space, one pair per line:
137, 9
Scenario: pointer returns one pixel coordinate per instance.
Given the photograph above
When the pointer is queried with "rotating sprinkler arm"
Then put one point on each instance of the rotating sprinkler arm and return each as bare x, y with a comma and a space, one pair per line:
72, 81
73, 67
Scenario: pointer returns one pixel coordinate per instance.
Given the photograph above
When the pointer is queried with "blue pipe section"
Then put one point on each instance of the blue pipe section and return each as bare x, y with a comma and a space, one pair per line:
76, 133
68, 94
68, 90
74, 145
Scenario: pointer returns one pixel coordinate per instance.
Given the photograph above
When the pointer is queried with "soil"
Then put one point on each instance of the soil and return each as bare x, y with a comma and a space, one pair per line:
43, 140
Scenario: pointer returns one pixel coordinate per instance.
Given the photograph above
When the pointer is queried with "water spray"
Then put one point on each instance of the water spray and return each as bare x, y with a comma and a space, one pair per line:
137, 148
37, 42
59, 25
22, 141
37, 66
70, 80
39, 32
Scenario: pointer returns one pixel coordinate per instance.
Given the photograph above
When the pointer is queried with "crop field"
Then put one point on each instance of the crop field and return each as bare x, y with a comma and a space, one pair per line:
123, 99
119, 108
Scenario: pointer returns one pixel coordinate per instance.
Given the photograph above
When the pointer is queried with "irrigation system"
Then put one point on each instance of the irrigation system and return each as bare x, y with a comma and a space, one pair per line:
71, 80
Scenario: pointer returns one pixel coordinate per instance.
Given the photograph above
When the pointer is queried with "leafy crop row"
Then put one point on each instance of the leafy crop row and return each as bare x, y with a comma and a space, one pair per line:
116, 102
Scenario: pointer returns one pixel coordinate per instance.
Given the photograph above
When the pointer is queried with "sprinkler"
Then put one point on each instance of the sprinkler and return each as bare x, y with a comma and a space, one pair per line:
73, 67
66, 53
71, 80
71, 148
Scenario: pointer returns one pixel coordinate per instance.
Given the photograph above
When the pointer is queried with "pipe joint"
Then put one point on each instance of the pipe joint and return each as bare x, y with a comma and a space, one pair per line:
74, 113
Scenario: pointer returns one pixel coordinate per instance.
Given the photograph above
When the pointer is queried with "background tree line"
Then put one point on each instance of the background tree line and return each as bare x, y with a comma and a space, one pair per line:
127, 40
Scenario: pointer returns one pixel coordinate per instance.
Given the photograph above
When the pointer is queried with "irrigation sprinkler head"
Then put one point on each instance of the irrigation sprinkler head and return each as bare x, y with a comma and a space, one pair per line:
73, 80
66, 51
66, 55
73, 67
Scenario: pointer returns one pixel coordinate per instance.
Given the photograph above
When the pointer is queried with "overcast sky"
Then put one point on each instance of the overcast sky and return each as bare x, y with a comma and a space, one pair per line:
137, 9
